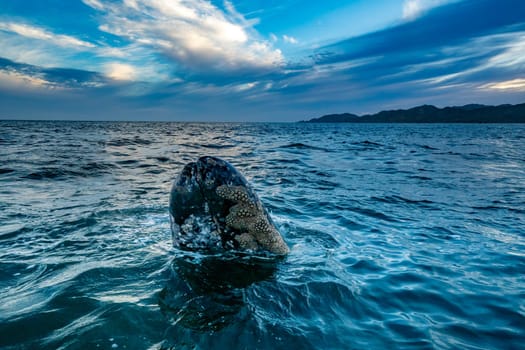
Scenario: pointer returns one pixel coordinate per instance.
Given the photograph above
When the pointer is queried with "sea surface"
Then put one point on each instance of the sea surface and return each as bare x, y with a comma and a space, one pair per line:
401, 237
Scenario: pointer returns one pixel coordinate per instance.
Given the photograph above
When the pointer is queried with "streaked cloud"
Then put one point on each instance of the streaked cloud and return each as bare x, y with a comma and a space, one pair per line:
514, 52
27, 43
246, 86
23, 75
411, 8
415, 8
34, 32
514, 85
19, 80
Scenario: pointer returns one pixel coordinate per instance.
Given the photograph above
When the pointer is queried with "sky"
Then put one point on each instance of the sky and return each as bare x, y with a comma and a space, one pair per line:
255, 60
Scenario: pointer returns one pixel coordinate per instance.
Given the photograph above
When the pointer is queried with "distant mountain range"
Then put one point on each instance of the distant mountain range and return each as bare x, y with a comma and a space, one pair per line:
472, 113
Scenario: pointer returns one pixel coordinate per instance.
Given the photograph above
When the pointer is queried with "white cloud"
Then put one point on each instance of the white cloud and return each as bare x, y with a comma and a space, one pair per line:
96, 4
19, 80
194, 33
121, 71
128, 70
414, 8
20, 49
27, 80
39, 33
245, 87
290, 39
513, 55
509, 85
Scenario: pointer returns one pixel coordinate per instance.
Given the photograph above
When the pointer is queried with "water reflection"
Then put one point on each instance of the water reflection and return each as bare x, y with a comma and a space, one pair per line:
206, 293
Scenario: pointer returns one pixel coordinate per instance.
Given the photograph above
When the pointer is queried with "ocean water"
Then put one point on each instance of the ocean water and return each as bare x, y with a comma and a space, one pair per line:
401, 237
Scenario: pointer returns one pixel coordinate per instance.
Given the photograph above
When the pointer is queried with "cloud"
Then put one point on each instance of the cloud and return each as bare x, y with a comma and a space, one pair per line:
96, 4
514, 52
245, 86
513, 85
39, 46
121, 71
21, 81
34, 32
415, 8
193, 33
22, 76
290, 39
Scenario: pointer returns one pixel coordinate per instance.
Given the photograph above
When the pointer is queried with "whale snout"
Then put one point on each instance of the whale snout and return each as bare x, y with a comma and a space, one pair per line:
213, 206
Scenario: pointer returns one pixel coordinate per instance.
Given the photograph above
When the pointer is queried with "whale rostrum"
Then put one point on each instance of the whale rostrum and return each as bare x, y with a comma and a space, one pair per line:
212, 206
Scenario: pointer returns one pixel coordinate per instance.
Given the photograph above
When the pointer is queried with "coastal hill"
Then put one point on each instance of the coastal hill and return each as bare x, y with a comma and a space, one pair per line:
472, 113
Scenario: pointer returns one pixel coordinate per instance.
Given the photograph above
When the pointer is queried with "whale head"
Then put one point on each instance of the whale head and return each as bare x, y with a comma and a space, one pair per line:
212, 206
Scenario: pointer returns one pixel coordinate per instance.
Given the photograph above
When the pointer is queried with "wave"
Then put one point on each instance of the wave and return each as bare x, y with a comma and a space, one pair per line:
53, 173
427, 147
216, 145
298, 145
394, 199
120, 142
162, 159
93, 169
367, 143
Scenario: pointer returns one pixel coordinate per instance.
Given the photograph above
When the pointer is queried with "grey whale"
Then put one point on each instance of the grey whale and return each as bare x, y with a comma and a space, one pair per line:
212, 206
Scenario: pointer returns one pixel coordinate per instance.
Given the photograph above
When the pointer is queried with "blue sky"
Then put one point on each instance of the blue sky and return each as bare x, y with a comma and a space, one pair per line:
255, 60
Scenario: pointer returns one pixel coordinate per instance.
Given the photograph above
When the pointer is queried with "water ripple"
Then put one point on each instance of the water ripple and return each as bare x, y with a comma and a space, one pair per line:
401, 236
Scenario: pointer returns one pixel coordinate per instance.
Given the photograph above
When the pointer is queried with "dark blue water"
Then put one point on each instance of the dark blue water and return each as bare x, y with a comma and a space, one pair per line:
401, 236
